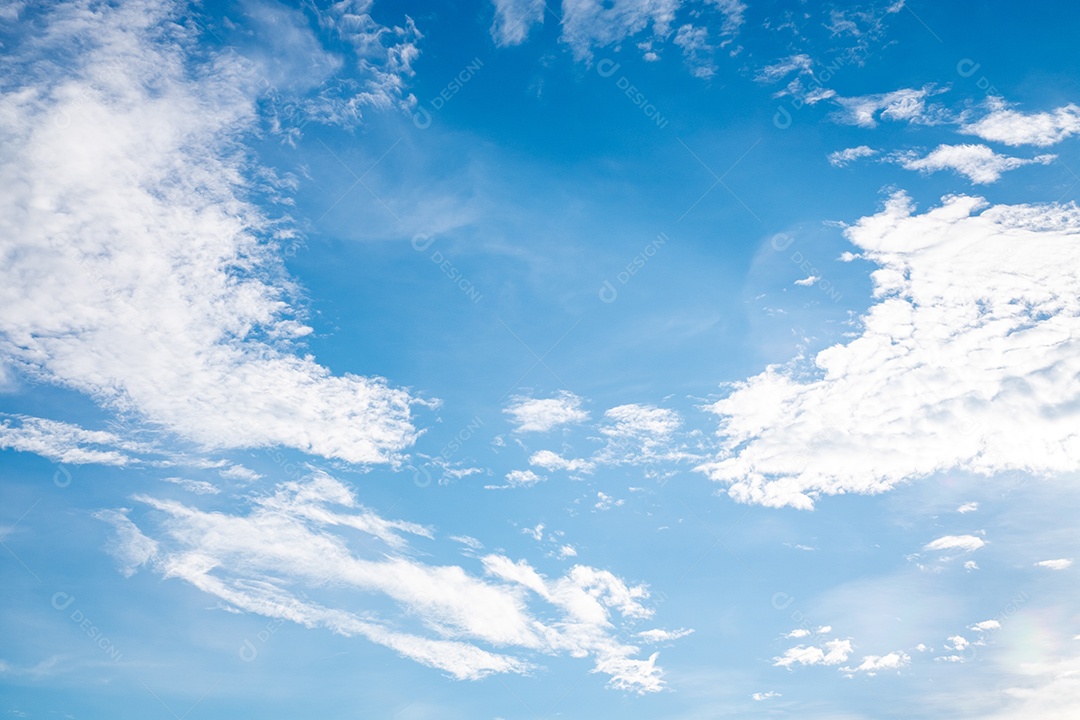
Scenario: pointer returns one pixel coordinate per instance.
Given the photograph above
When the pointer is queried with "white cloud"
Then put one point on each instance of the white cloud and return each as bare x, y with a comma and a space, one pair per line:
978, 163
523, 478
514, 19
1047, 689
1011, 127
567, 551
964, 543
239, 472
904, 104
552, 461
657, 635
466, 624
199, 487
12, 9
542, 415
956, 642
591, 24
970, 565
129, 546
633, 434
765, 695
694, 42
801, 64
972, 371
840, 158
734, 15
968, 507
873, 664
606, 502
798, 633
986, 625
158, 290
44, 669
469, 542
1059, 564
66, 443
518, 479
808, 281
641, 421
384, 53
639, 433
834, 653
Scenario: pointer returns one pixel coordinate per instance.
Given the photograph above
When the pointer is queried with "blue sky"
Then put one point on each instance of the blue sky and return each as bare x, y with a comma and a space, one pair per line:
511, 360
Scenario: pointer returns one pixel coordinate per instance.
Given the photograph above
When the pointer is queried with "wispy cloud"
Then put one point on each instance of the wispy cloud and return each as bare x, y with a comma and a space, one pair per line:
840, 158
588, 26
66, 443
278, 558
833, 652
514, 19
906, 104
160, 289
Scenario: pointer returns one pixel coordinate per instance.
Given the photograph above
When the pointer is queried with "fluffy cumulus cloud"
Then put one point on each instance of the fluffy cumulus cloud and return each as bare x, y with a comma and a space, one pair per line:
873, 664
833, 652
517, 479
1003, 124
553, 461
292, 553
978, 163
806, 632
132, 266
1056, 564
544, 414
967, 361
